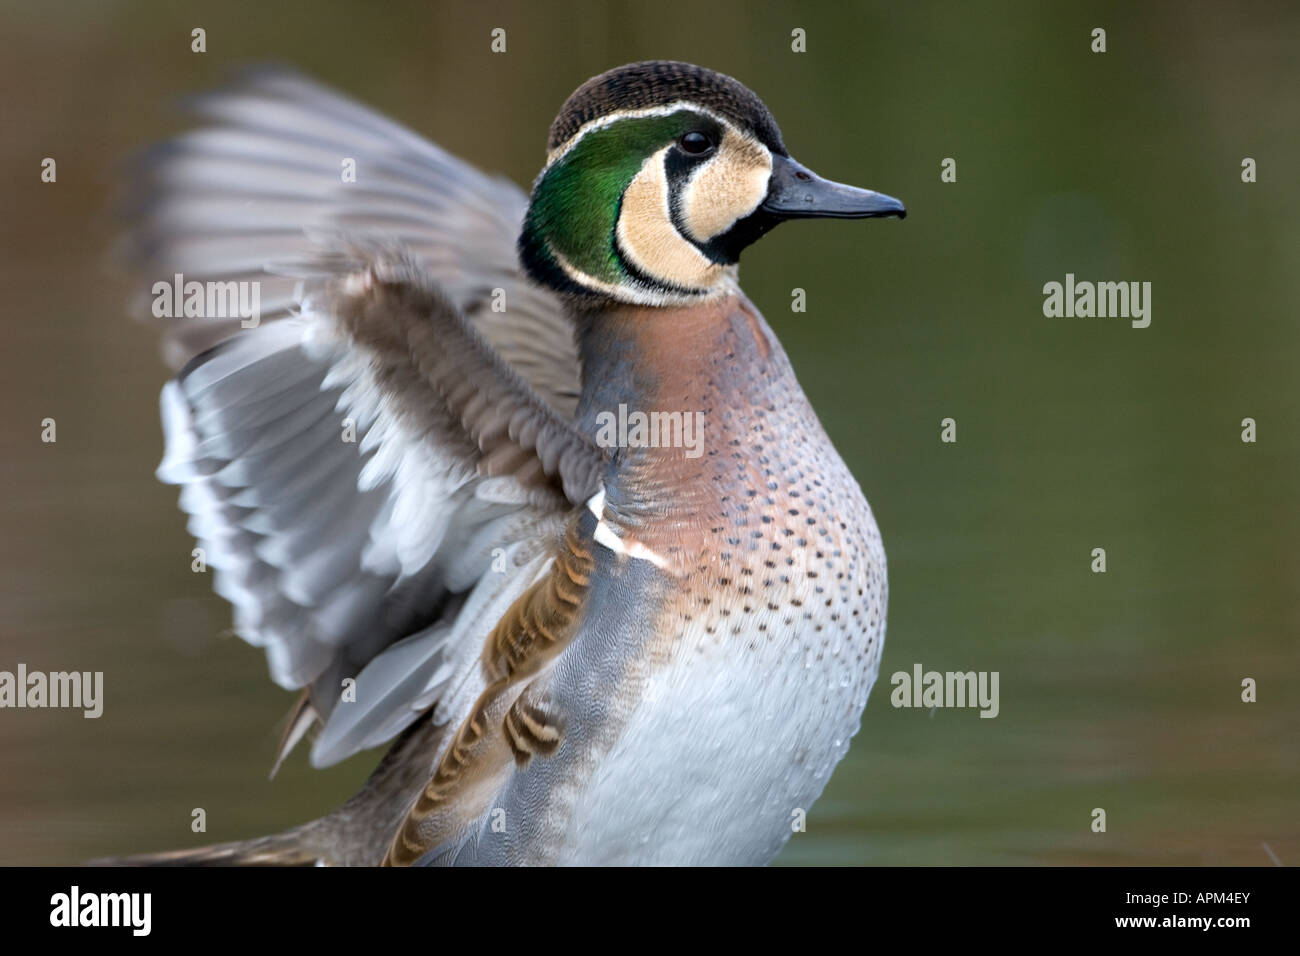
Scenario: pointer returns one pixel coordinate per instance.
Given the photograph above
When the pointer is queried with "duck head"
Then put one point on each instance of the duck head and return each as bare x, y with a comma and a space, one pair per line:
657, 176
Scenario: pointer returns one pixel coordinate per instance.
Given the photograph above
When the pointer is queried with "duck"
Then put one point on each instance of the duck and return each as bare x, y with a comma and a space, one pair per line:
520, 486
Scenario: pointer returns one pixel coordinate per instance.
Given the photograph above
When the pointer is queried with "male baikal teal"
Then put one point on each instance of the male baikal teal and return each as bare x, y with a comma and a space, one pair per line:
577, 651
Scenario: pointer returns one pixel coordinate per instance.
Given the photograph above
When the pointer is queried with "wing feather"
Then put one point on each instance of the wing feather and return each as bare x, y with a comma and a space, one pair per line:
357, 462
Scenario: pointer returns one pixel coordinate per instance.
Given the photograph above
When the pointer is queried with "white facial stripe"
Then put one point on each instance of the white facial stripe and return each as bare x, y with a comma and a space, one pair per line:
609, 119
647, 237
639, 294
727, 188
675, 253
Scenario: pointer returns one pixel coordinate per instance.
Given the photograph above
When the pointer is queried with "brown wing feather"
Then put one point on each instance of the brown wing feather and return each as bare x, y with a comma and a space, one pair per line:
530, 636
433, 357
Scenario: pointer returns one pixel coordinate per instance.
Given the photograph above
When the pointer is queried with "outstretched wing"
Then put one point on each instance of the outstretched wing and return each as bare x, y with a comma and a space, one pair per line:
265, 170
361, 462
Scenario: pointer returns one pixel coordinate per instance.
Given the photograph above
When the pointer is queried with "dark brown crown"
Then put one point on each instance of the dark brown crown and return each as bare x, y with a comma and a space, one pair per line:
657, 83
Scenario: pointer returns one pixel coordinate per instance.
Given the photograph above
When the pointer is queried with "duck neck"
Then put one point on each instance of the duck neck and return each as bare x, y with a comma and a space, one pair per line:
673, 394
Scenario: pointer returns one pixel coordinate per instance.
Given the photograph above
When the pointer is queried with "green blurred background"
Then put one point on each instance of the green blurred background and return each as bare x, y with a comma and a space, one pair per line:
1118, 690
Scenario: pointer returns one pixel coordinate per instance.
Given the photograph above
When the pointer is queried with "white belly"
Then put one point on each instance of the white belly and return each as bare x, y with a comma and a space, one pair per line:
732, 740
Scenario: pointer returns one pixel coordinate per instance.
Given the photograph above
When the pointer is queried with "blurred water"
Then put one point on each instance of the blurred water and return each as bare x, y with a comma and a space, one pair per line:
1119, 691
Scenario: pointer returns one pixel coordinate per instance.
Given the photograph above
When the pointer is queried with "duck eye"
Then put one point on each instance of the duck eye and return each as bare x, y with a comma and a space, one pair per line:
696, 143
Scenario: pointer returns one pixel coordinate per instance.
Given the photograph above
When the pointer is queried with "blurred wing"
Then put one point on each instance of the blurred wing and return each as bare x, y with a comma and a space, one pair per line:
248, 188
359, 463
